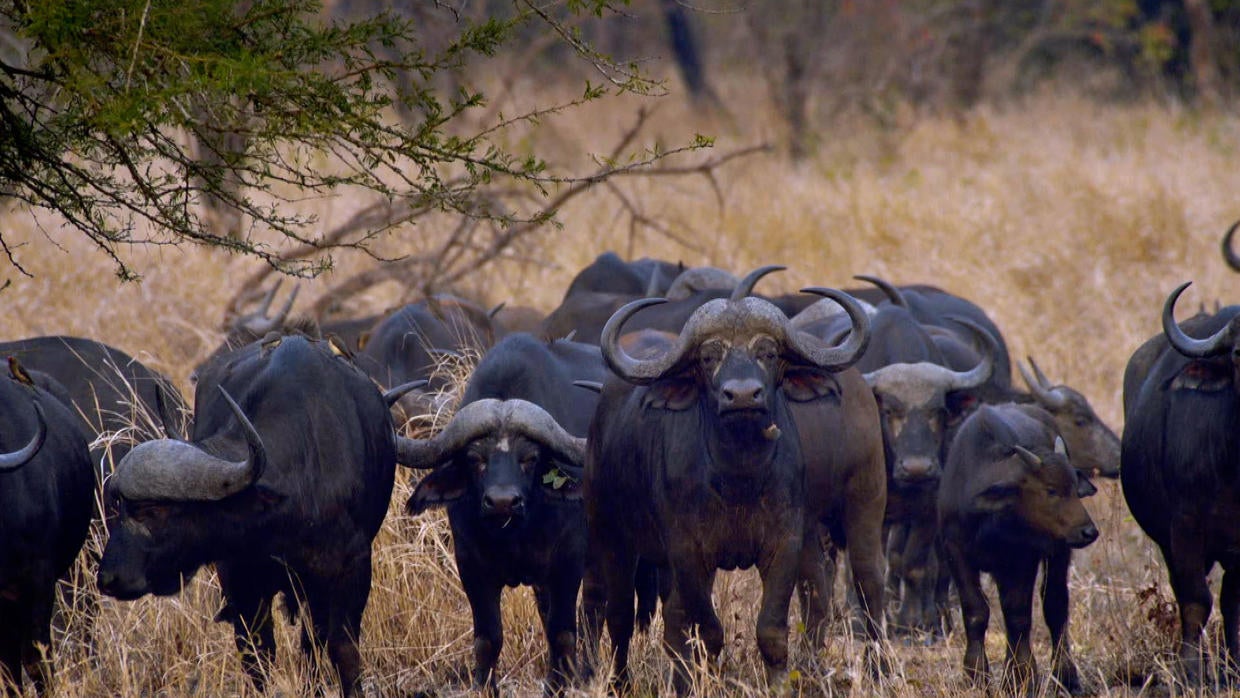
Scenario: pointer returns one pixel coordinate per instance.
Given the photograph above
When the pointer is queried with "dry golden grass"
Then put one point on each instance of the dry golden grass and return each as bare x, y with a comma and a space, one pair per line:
1068, 221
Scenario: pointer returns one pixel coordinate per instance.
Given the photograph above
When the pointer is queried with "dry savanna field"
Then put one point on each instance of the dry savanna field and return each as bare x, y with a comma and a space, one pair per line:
1069, 221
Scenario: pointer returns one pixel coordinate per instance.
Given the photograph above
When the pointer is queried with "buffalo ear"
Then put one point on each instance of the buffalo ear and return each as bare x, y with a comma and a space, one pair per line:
672, 394
1084, 487
997, 496
441, 486
807, 384
960, 403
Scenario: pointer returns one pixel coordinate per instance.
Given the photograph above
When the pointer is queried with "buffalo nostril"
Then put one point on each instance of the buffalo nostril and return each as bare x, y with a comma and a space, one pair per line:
743, 393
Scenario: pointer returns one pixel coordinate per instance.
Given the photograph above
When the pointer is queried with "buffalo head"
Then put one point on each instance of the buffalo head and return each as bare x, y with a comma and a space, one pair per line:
1095, 448
503, 453
918, 405
153, 497
733, 355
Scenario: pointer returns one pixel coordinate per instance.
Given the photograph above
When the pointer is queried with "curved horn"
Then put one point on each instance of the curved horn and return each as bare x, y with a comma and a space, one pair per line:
845, 355
699, 278
259, 323
895, 295
744, 287
391, 396
1229, 253
16, 459
469, 422
534, 422
1028, 456
167, 469
495, 311
1216, 344
633, 370
592, 386
980, 373
1040, 388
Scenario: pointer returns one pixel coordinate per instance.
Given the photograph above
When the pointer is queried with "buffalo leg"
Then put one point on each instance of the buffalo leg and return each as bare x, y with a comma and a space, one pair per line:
690, 607
38, 641
557, 604
865, 548
593, 611
1055, 612
975, 611
647, 584
484, 593
248, 608
1016, 599
12, 638
1187, 569
778, 584
919, 573
1229, 605
619, 569
894, 545
814, 586
336, 614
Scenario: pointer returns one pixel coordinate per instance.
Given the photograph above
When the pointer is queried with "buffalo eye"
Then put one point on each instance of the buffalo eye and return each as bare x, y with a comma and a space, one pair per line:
1053, 493
765, 351
710, 356
476, 461
1082, 421
528, 461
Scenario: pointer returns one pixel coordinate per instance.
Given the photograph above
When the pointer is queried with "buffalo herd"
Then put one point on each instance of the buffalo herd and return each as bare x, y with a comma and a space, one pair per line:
662, 424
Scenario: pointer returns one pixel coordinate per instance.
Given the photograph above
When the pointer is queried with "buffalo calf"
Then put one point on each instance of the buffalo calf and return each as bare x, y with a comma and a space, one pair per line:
1010, 501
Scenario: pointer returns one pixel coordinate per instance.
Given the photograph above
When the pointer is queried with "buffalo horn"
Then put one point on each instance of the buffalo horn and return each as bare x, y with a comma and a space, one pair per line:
895, 295
259, 323
23, 455
700, 278
744, 287
171, 470
1229, 253
1218, 343
392, 396
1028, 456
592, 386
625, 366
947, 378
490, 416
1040, 387
840, 357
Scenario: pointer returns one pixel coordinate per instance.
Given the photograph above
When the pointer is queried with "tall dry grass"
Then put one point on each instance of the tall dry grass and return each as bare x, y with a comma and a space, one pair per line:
1067, 220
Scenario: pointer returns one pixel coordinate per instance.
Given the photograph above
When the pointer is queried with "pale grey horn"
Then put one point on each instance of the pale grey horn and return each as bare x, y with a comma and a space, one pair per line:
980, 373
895, 295
1028, 456
698, 279
259, 323
636, 371
537, 424
1229, 252
16, 459
1040, 388
469, 423
840, 357
171, 470
744, 287
1213, 345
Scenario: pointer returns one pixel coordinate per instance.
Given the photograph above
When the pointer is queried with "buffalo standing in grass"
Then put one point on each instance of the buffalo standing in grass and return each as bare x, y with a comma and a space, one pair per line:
47, 497
282, 489
696, 463
1010, 501
510, 477
1180, 455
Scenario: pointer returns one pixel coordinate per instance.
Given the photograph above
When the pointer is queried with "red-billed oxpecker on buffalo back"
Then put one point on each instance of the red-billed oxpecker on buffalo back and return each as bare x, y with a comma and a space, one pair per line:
47, 497
1179, 462
282, 488
696, 463
1010, 501
510, 477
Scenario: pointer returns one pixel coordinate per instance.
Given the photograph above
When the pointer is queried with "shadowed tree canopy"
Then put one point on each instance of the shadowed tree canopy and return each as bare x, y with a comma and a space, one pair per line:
124, 117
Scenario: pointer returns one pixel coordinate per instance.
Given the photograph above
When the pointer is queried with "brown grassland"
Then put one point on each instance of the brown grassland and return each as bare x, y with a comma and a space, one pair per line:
1068, 220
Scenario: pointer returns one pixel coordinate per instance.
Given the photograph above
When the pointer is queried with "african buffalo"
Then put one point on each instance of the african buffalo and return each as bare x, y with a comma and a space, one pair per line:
1094, 447
696, 463
1010, 501
114, 396
47, 498
282, 489
510, 477
608, 273
409, 343
1179, 460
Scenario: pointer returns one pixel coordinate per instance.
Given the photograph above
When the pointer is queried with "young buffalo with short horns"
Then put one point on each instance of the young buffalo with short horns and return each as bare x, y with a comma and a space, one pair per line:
1010, 501
695, 463
510, 477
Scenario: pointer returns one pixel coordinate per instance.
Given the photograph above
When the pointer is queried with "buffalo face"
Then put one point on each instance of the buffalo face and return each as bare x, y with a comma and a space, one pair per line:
1094, 446
151, 549
1044, 492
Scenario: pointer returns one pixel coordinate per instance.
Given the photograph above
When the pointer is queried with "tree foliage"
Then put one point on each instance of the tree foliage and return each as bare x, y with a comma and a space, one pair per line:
123, 115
